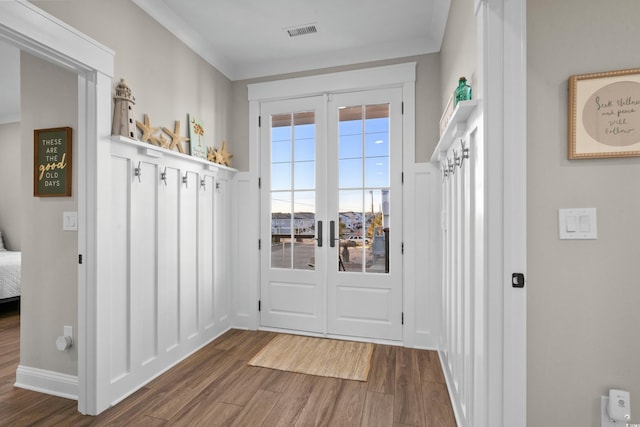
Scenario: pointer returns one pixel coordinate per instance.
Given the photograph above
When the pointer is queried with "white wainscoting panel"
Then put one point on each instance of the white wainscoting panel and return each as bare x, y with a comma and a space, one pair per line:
427, 301
170, 239
245, 294
463, 341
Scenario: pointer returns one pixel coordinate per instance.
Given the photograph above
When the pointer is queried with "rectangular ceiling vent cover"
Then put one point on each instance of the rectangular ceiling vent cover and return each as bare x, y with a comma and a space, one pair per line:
301, 30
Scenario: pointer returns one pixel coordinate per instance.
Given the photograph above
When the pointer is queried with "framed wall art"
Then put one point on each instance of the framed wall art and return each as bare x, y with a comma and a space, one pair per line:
52, 158
604, 114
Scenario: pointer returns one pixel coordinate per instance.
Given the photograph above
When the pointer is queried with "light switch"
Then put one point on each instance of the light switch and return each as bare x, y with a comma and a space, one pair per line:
585, 223
70, 221
578, 223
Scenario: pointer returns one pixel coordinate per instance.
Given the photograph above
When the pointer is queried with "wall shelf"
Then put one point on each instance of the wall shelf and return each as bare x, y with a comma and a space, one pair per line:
455, 128
159, 152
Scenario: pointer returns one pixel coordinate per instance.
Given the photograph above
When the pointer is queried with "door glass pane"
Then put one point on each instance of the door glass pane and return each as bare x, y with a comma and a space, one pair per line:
293, 196
281, 230
363, 188
304, 223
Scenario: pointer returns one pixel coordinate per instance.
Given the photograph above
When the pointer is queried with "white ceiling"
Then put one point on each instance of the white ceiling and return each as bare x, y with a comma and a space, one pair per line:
247, 38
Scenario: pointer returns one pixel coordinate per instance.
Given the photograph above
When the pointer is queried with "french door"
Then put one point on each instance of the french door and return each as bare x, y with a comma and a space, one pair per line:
331, 201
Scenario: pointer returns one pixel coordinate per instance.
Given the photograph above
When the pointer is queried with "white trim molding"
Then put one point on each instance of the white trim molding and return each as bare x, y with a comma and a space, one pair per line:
418, 331
49, 382
33, 30
345, 81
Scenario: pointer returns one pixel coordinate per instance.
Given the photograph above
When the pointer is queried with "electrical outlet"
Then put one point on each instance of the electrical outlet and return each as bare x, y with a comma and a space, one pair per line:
605, 421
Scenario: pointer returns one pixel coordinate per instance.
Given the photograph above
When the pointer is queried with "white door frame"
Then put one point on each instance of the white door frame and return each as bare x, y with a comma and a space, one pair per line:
34, 31
502, 71
400, 75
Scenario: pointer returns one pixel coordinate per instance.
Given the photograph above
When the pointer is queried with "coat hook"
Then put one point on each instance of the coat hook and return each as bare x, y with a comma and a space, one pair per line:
464, 153
451, 167
138, 172
456, 159
218, 186
163, 175
203, 184
185, 179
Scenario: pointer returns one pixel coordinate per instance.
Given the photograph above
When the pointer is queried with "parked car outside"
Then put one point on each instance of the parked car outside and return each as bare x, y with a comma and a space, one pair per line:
358, 240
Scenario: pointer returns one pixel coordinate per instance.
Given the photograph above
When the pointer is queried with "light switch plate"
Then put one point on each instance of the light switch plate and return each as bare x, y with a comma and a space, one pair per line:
574, 224
70, 221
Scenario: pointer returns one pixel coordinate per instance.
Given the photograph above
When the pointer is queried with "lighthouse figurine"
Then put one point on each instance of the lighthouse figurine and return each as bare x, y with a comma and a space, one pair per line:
123, 122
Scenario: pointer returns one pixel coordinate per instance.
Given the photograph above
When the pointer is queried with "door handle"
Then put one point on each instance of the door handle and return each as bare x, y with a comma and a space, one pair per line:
319, 239
332, 234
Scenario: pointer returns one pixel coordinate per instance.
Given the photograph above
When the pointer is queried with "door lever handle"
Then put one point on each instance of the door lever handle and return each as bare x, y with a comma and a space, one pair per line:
332, 234
319, 239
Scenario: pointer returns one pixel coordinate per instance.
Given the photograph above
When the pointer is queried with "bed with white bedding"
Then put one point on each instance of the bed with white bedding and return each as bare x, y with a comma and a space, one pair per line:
9, 273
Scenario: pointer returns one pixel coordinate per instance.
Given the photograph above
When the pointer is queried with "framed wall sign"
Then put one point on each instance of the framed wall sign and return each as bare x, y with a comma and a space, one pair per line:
604, 114
52, 158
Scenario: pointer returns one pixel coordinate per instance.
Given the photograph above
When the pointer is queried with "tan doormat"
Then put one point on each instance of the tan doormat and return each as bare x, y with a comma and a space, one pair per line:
316, 356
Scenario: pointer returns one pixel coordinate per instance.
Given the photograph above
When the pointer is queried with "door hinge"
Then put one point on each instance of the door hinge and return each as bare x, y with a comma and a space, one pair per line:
259, 244
80, 259
402, 318
259, 183
402, 177
402, 107
259, 121
259, 305
402, 248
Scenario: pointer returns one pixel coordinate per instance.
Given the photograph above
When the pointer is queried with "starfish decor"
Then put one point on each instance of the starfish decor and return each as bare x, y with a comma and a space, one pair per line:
162, 141
176, 139
223, 156
147, 131
211, 154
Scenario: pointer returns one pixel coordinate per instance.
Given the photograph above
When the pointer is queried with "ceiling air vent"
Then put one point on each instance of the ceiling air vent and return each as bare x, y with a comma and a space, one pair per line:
301, 30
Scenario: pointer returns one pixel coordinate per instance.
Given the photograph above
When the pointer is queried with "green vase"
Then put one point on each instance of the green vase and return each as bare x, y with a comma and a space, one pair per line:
463, 91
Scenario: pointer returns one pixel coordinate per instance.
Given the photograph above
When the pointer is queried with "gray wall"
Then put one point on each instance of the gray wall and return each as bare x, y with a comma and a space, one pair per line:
168, 79
427, 107
458, 53
10, 212
583, 297
49, 97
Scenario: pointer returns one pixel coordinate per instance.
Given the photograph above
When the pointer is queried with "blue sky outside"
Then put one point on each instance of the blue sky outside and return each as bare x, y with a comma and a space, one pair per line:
363, 160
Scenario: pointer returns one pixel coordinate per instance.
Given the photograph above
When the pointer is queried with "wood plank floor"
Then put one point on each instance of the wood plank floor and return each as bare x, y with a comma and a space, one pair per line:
216, 387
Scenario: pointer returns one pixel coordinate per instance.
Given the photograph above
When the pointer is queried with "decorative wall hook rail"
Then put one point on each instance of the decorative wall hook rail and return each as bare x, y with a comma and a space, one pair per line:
203, 184
138, 172
185, 179
163, 175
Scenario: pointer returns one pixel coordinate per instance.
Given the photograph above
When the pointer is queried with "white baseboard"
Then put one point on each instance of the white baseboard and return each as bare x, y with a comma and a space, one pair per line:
48, 382
453, 396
